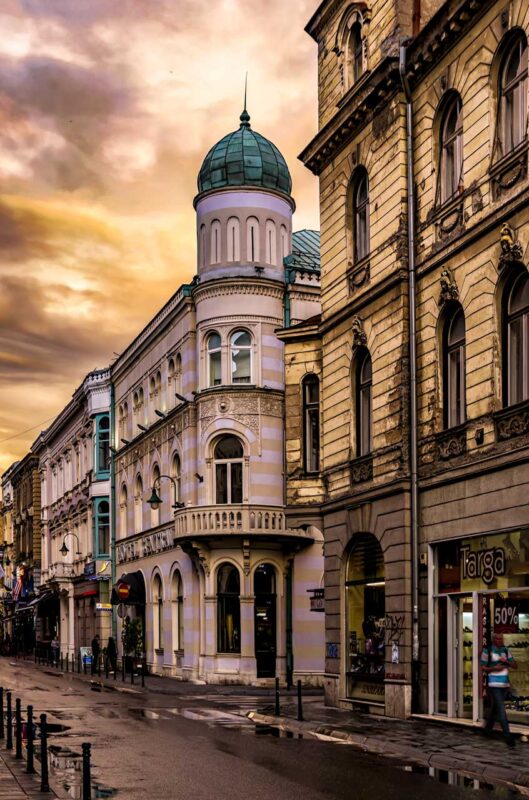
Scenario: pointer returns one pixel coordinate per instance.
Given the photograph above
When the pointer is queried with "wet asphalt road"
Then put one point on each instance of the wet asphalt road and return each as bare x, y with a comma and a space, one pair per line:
196, 747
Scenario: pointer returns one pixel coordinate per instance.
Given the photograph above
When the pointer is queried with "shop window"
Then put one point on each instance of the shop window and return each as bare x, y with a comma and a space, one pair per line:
311, 422
157, 612
177, 610
102, 446
363, 403
516, 340
451, 148
101, 517
454, 368
512, 95
360, 214
228, 458
214, 360
228, 610
365, 610
241, 357
233, 232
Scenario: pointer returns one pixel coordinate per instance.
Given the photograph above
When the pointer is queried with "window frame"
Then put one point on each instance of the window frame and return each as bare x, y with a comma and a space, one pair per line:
157, 607
360, 216
521, 314
451, 154
363, 389
311, 409
224, 601
102, 473
229, 463
101, 519
454, 365
246, 348
509, 88
177, 609
210, 352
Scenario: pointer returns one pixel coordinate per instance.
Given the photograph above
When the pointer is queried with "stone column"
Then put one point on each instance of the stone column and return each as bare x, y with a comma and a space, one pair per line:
248, 665
71, 621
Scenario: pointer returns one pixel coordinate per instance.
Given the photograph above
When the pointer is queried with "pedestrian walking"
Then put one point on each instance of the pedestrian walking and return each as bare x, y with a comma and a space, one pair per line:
112, 653
96, 650
496, 660
55, 651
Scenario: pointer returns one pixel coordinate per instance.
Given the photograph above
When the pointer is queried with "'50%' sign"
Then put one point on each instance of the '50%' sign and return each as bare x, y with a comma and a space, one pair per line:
506, 616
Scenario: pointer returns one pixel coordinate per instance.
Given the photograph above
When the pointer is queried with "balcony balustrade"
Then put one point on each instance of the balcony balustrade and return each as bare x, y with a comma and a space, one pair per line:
233, 519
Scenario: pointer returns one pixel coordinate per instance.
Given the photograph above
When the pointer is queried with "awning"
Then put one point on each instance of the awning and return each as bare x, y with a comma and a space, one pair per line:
32, 605
129, 589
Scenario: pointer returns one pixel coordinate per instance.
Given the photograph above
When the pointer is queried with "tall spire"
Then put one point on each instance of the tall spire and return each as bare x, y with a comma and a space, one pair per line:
245, 117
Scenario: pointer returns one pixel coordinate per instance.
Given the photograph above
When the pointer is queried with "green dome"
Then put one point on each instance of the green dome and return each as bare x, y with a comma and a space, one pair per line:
244, 158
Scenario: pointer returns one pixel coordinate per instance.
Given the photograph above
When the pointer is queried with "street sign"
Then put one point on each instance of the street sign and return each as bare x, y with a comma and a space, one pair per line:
103, 606
317, 601
121, 611
123, 591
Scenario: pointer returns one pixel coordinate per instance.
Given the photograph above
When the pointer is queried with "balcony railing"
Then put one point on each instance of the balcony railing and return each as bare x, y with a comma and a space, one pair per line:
230, 519
59, 570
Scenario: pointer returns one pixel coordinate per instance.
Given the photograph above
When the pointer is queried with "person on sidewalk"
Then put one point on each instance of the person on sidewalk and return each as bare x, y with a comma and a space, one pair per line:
55, 651
112, 653
96, 650
496, 661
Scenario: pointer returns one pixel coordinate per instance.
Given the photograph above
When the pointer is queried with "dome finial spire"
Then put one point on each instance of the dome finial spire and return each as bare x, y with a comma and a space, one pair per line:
245, 117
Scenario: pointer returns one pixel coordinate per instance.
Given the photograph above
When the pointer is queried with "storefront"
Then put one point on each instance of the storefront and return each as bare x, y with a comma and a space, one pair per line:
478, 586
365, 603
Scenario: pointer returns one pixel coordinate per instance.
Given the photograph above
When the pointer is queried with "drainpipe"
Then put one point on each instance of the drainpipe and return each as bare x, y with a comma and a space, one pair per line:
413, 378
113, 507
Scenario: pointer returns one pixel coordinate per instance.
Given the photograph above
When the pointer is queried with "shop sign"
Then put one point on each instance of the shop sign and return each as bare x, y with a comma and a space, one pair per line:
146, 546
332, 650
506, 616
487, 564
90, 569
317, 601
86, 655
104, 607
367, 690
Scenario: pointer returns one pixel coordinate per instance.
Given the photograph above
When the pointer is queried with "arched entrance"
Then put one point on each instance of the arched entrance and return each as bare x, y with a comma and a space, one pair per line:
264, 583
365, 615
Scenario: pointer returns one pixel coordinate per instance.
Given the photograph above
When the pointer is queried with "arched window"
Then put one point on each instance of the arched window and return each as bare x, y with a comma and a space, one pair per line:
170, 370
102, 526
202, 245
363, 403
177, 611
311, 423
512, 94
284, 242
214, 360
123, 421
102, 446
270, 242
354, 55
228, 456
233, 232
215, 242
176, 474
152, 386
138, 505
451, 148
155, 483
241, 357
157, 613
123, 511
516, 335
360, 215
454, 368
228, 609
252, 239
158, 382
365, 612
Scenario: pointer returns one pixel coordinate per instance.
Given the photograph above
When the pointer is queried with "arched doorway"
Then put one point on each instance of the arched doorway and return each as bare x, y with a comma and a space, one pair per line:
365, 615
264, 583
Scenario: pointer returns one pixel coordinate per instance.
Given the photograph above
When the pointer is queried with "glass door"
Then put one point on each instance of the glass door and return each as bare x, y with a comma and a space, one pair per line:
463, 653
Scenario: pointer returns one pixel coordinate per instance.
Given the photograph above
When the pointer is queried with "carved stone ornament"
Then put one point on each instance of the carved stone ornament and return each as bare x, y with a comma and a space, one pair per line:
511, 249
362, 469
449, 287
359, 337
452, 444
510, 424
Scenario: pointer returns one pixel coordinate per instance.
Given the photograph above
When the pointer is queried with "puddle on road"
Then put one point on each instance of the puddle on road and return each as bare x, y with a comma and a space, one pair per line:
66, 770
215, 718
452, 778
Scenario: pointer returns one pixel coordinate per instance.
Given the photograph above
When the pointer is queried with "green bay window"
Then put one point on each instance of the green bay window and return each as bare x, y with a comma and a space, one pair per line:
102, 446
101, 518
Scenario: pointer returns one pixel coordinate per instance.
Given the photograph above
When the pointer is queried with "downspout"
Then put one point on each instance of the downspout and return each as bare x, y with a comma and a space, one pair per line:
413, 378
113, 507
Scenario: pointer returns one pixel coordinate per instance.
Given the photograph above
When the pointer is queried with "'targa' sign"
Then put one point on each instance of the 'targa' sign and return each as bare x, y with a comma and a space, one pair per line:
486, 564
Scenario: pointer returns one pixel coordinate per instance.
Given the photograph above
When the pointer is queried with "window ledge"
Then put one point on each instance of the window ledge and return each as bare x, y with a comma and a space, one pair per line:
509, 169
512, 421
352, 90
358, 273
448, 207
178, 652
158, 651
361, 468
452, 442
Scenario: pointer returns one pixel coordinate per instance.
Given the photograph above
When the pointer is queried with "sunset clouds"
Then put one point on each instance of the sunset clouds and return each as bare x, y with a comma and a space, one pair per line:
107, 108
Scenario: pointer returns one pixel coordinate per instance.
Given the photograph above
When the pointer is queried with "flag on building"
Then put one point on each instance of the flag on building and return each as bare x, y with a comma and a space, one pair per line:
17, 589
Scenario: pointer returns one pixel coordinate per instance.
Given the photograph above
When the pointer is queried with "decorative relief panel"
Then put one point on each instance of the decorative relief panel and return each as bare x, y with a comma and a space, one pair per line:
512, 422
362, 469
511, 249
452, 443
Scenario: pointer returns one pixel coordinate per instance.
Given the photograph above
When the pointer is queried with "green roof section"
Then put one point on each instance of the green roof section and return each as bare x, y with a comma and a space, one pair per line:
244, 158
305, 256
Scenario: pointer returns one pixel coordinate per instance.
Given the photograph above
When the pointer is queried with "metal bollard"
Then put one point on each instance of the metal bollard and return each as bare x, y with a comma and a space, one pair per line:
1, 712
62, 662
277, 709
9, 723
84, 664
18, 729
29, 749
99, 657
106, 666
300, 706
73, 662
67, 661
78, 663
44, 777
132, 670
123, 668
143, 670
87, 789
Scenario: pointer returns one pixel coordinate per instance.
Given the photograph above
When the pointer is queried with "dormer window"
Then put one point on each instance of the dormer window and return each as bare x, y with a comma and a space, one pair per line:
350, 46
354, 55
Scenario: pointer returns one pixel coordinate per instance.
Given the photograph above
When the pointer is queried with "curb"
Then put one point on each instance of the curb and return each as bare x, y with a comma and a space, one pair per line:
519, 781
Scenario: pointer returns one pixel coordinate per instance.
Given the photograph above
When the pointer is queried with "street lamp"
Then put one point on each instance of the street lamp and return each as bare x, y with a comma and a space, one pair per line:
65, 550
155, 501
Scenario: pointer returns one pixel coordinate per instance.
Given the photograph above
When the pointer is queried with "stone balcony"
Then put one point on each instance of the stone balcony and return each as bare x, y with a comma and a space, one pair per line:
243, 520
63, 571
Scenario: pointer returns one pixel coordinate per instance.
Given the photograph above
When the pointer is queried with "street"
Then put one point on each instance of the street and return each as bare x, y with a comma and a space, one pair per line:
194, 744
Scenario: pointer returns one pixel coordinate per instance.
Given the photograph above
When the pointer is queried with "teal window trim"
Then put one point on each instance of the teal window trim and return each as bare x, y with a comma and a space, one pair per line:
101, 525
102, 447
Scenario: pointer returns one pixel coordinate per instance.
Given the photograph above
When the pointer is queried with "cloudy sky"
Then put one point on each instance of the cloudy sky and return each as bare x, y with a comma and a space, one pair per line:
107, 108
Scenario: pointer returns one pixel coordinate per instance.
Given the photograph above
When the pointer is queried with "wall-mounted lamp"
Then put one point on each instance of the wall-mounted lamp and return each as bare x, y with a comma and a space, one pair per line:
65, 550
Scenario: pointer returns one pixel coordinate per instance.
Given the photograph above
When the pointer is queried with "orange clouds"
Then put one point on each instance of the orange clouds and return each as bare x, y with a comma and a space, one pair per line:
106, 111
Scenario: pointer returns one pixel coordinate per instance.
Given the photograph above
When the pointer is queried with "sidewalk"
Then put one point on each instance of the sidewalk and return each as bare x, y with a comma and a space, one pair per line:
15, 784
437, 745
